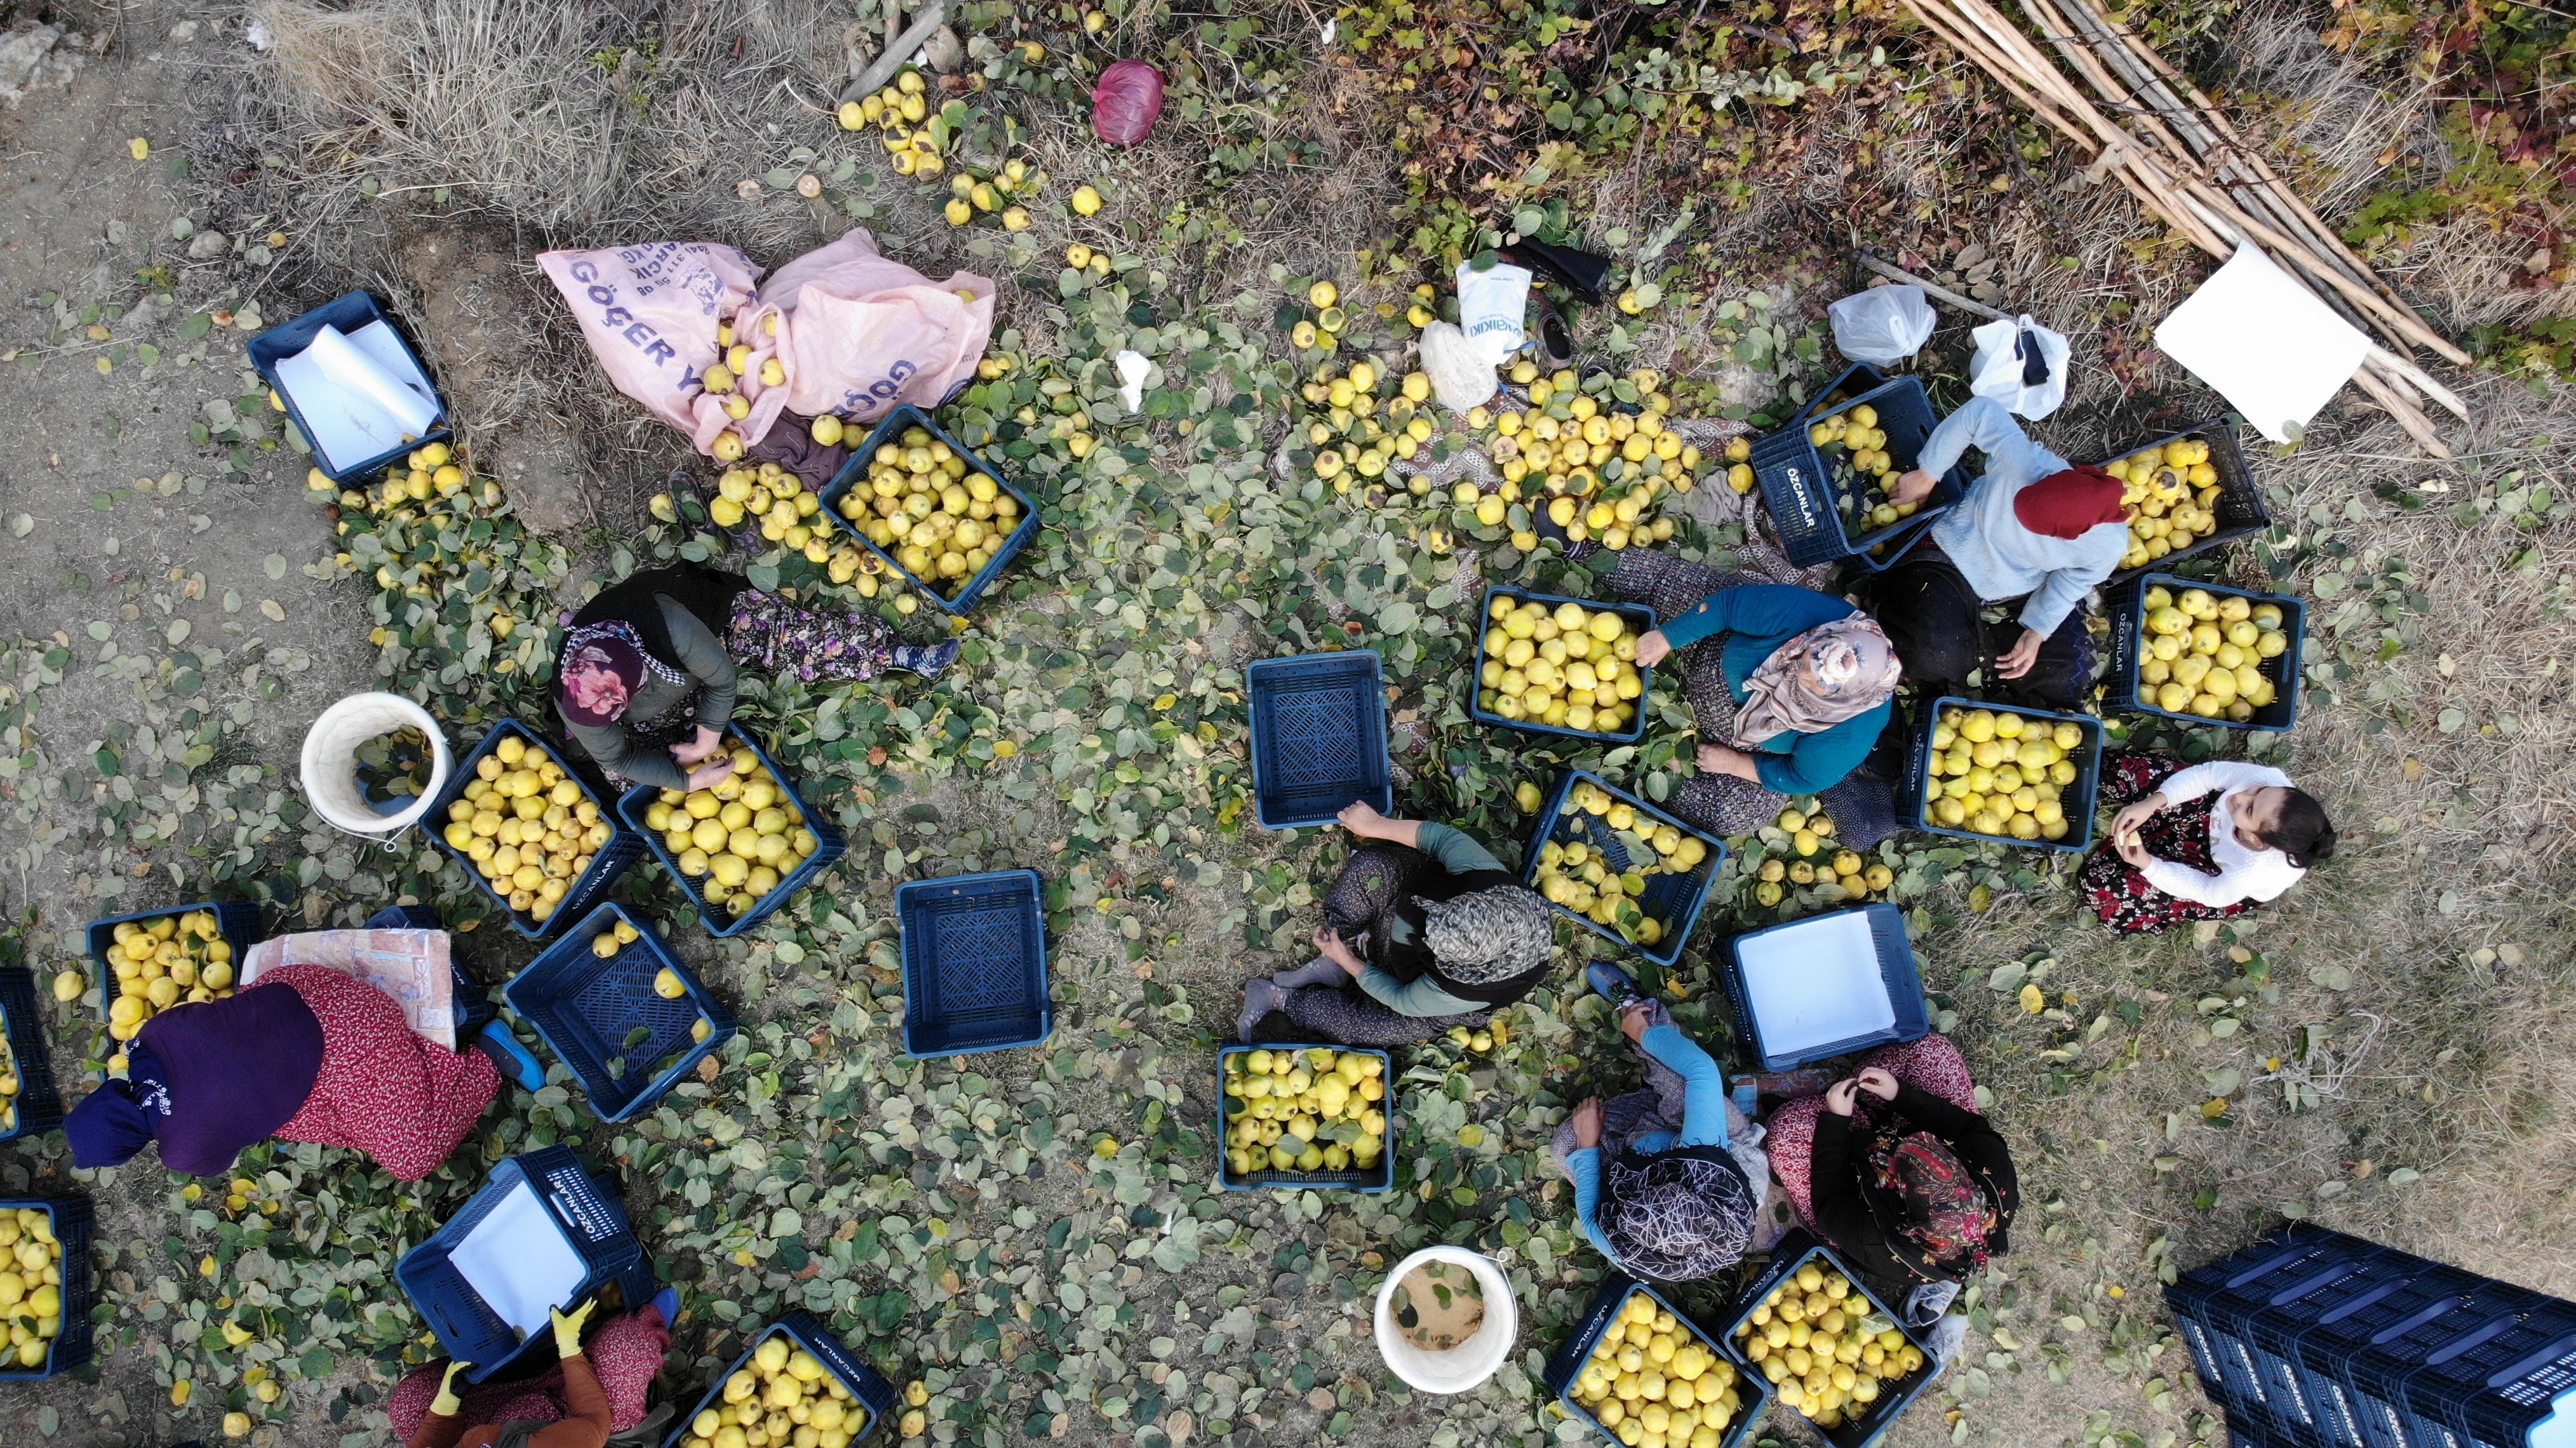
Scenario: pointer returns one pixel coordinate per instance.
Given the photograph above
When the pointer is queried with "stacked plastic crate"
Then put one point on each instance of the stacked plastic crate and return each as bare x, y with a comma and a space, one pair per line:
2313, 1339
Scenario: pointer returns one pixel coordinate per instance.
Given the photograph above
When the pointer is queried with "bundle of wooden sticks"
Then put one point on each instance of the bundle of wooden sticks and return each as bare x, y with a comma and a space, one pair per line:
2141, 120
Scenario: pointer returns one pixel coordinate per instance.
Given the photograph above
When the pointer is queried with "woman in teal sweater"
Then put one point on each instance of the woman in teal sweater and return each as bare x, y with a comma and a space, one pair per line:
1792, 688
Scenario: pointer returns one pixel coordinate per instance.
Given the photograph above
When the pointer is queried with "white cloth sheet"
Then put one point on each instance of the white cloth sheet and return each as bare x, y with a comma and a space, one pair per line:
359, 395
2274, 351
1815, 983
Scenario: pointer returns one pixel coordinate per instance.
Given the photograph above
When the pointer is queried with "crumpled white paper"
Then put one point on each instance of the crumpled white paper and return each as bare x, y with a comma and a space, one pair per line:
1133, 369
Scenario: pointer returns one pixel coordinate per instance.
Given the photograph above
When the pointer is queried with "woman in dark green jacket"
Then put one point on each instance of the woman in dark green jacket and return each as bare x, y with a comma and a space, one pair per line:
1792, 689
648, 676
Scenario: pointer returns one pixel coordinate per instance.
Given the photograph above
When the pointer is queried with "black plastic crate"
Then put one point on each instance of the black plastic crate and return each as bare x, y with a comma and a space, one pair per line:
1804, 495
1566, 1365
1914, 801
2490, 1387
2347, 1417
856, 471
73, 1345
2126, 607
2376, 1372
1794, 1251
609, 861
603, 1019
1898, 972
1318, 737
2216, 1304
1637, 614
588, 1211
2271, 1336
1671, 899
1378, 1178
803, 1329
974, 963
40, 1106
348, 314
829, 846
2239, 507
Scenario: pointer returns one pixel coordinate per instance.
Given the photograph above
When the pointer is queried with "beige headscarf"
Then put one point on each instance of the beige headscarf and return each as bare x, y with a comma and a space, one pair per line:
1855, 667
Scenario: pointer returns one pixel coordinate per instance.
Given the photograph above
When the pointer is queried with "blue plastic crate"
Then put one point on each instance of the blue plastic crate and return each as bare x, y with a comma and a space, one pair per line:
40, 1106
2271, 1337
1897, 969
1794, 1251
2127, 609
829, 846
603, 1019
1673, 899
2493, 1386
1913, 805
1753, 1391
348, 314
1637, 614
974, 963
472, 1009
73, 1346
856, 471
1378, 1178
584, 1208
610, 861
1804, 495
2250, 1308
805, 1330
1318, 737
237, 924
2240, 509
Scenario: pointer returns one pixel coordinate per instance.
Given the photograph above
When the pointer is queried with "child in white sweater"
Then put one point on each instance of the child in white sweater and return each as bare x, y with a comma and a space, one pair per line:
2199, 843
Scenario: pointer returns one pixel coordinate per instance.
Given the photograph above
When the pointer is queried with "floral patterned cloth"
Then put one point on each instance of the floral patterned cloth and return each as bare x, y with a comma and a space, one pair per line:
2115, 889
777, 637
1929, 1062
382, 1089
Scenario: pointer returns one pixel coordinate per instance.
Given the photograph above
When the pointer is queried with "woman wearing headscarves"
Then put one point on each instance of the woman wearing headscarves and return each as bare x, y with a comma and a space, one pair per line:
1897, 1169
307, 1053
1791, 687
1660, 1184
2201, 842
1424, 930
648, 671
595, 1389
2033, 524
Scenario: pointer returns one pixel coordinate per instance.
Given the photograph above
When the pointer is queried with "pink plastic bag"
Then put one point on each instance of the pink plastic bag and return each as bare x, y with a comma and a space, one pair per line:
853, 332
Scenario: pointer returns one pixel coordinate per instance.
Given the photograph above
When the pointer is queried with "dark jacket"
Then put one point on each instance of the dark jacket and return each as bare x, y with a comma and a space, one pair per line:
1866, 1228
681, 614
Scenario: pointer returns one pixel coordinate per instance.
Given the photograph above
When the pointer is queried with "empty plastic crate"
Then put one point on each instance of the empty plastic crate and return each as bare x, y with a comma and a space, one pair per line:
974, 963
1914, 803
2377, 1371
2228, 1302
2239, 509
1804, 494
1318, 737
348, 314
73, 1346
2272, 1338
1794, 1251
584, 1209
606, 864
2492, 1386
39, 1105
829, 846
947, 594
1639, 617
602, 1017
473, 1010
805, 1330
1753, 1391
236, 924
1672, 899
1817, 996
2126, 606
2348, 1417
1378, 1178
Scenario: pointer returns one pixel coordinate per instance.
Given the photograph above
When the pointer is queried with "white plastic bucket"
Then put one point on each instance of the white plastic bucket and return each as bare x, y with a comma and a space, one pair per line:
1459, 1369
330, 770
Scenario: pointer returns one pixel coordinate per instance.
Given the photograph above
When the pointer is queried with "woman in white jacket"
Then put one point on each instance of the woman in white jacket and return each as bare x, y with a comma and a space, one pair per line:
2199, 843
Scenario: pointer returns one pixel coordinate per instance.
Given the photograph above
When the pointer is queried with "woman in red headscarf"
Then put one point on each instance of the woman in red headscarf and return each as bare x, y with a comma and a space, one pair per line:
2033, 526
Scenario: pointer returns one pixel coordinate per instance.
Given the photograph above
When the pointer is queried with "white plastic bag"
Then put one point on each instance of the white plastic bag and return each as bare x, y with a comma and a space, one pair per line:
1492, 305
1883, 325
2020, 364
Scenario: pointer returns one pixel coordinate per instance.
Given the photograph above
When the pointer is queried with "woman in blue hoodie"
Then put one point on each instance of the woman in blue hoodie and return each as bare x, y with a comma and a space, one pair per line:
1791, 688
2034, 527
